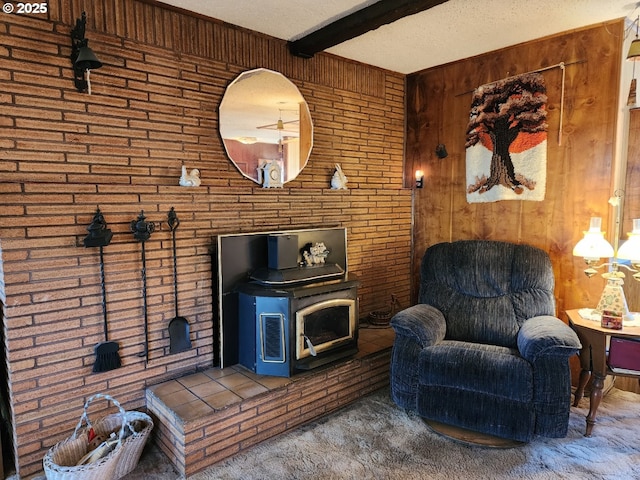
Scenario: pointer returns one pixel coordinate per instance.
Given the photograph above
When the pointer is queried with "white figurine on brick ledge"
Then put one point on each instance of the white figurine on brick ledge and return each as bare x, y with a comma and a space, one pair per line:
191, 179
339, 179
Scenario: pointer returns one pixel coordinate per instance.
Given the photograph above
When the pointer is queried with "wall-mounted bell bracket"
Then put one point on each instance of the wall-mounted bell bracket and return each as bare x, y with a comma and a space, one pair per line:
83, 59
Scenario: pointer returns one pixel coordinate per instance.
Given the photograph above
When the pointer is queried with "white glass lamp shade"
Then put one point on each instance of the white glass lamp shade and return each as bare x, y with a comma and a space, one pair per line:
593, 246
630, 250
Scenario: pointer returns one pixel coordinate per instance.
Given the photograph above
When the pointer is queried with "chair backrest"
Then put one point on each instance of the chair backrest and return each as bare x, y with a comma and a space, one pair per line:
487, 289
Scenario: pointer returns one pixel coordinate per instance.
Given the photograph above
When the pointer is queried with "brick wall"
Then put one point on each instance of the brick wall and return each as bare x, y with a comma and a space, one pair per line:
153, 107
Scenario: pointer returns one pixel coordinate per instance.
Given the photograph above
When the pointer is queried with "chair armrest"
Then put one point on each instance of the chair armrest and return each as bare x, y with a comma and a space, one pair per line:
546, 335
423, 323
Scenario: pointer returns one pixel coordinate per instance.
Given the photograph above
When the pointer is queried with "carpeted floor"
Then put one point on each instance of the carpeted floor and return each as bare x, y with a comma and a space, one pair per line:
373, 439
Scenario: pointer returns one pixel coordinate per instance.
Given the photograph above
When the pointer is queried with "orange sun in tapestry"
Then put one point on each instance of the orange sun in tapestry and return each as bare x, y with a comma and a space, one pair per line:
506, 146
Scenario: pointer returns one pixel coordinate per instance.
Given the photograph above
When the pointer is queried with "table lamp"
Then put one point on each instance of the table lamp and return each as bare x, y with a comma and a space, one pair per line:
594, 246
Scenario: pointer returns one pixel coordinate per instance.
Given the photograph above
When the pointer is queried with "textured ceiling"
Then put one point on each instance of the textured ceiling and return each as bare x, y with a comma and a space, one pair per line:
454, 30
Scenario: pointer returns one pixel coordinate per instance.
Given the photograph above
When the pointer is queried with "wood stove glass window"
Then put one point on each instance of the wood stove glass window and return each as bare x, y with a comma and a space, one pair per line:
324, 325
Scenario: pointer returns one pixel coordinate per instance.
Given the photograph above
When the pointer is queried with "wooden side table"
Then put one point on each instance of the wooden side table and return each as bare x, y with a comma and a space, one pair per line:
593, 359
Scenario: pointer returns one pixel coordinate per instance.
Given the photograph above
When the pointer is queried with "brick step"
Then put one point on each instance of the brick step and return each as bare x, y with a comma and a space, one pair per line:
200, 439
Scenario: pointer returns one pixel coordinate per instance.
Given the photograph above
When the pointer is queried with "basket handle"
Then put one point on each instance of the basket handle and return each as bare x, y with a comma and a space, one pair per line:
85, 416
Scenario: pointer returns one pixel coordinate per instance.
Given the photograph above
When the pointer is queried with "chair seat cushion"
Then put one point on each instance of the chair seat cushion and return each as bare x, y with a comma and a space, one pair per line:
485, 369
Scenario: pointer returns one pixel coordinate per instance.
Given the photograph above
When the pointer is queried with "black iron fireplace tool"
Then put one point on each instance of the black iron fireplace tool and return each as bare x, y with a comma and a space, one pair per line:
107, 356
179, 340
142, 230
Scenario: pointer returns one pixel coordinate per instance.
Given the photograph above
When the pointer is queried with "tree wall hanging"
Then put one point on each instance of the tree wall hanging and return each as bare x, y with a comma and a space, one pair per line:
506, 144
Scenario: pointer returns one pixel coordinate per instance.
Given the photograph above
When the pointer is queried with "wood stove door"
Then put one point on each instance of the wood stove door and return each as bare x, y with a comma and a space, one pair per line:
326, 323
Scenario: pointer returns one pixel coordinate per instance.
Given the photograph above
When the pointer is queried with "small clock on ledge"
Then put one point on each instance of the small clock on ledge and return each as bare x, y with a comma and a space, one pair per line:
270, 174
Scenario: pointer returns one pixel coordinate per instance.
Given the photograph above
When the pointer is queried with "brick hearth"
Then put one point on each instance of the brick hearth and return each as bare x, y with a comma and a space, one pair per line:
208, 416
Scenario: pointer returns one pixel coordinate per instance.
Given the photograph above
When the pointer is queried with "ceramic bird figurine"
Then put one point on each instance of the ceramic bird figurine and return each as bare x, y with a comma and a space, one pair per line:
339, 179
191, 179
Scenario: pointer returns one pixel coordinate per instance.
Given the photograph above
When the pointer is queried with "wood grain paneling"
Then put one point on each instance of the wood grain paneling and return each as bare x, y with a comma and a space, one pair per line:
579, 171
632, 201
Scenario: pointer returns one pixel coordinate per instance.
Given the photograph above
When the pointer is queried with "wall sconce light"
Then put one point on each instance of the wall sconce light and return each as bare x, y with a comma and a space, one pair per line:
593, 247
82, 57
419, 178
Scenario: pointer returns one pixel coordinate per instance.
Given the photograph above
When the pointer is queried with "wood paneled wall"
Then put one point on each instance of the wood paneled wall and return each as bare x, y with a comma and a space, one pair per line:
631, 210
579, 170
632, 188
632, 200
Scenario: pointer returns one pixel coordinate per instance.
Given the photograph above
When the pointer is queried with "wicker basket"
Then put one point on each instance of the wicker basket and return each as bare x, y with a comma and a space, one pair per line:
133, 444
380, 318
61, 461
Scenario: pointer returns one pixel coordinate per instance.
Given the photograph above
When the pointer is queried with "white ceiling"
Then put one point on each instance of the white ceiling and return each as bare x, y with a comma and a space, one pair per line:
448, 32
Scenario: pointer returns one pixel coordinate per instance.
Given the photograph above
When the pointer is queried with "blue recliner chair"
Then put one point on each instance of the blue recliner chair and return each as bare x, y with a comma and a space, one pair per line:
483, 350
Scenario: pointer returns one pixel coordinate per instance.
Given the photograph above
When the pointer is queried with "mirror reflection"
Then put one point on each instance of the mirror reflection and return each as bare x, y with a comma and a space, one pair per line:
266, 127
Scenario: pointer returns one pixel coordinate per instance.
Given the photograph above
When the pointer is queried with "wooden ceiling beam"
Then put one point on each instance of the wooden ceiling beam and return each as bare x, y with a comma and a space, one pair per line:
358, 23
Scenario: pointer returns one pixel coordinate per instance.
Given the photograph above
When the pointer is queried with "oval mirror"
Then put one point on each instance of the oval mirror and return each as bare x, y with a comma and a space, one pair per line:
266, 127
